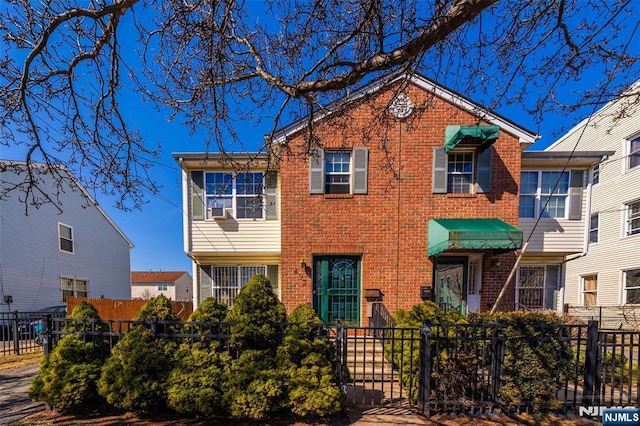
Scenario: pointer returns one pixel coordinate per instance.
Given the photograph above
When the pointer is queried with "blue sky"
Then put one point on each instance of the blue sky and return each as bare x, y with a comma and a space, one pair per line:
156, 229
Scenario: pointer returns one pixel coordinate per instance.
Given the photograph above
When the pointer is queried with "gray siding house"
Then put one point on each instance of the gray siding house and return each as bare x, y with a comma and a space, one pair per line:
48, 254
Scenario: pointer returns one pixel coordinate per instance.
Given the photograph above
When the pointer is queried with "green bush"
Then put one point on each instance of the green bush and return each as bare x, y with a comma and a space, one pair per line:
135, 376
68, 375
258, 316
159, 307
210, 310
197, 385
255, 385
404, 350
536, 359
311, 366
67, 379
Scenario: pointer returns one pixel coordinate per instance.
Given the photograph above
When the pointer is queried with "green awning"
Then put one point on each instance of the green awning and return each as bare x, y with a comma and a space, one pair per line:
485, 135
476, 234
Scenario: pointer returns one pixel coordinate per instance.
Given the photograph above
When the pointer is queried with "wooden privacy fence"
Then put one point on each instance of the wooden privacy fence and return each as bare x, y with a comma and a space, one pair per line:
115, 309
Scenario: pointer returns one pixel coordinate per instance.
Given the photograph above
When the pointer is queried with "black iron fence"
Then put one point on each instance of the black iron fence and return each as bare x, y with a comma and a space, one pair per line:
440, 367
22, 332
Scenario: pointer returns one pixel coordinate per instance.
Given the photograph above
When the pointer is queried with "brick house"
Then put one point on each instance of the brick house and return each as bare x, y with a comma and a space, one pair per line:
370, 191
403, 191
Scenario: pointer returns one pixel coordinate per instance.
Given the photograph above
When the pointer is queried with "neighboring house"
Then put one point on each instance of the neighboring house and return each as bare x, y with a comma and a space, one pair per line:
175, 285
555, 193
607, 273
407, 191
48, 254
231, 222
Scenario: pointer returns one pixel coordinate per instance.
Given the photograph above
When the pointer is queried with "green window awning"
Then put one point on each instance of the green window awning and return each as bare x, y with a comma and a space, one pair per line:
485, 135
476, 234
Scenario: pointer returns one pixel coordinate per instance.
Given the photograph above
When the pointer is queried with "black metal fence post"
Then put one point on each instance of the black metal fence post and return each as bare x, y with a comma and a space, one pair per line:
424, 372
47, 336
16, 336
591, 390
154, 326
340, 359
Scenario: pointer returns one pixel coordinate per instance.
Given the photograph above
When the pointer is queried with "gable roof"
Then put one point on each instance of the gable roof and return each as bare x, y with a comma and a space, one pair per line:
525, 136
17, 164
156, 276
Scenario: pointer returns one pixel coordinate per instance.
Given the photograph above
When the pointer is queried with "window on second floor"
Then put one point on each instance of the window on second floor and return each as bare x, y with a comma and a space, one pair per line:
551, 194
218, 195
594, 224
65, 236
163, 287
338, 171
632, 222
462, 171
634, 153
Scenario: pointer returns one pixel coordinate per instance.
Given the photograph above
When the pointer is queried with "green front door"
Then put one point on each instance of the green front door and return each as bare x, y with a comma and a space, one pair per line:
336, 288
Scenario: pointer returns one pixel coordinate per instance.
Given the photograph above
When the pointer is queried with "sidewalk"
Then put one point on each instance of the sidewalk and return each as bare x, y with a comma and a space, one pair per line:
14, 387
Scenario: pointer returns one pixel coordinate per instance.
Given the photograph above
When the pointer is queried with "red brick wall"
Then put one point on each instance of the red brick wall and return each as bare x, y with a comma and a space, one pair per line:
388, 226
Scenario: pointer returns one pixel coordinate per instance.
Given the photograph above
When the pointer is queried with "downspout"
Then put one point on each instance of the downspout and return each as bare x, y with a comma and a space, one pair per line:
587, 221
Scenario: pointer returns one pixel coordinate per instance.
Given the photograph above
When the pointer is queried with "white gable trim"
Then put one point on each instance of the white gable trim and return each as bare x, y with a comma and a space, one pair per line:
525, 136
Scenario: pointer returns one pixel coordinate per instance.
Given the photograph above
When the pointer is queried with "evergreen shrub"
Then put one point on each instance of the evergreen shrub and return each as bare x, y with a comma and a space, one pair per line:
67, 379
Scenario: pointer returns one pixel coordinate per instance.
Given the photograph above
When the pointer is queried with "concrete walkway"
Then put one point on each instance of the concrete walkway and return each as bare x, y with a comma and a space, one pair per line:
14, 387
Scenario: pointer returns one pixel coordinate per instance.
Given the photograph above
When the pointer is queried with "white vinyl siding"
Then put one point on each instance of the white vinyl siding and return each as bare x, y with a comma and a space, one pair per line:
235, 237
617, 187
32, 262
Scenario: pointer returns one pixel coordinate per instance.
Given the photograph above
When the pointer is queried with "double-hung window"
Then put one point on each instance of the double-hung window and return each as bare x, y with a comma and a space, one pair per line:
219, 195
632, 220
551, 194
73, 287
163, 287
632, 286
634, 153
590, 290
593, 228
462, 170
338, 171
65, 237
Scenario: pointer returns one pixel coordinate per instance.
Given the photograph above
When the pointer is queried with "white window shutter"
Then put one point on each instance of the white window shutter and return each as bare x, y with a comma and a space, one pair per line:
483, 176
271, 195
575, 194
360, 170
439, 171
197, 195
316, 171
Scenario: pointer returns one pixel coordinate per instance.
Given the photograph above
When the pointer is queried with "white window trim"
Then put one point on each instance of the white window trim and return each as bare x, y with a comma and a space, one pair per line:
75, 287
234, 196
597, 231
538, 194
583, 291
623, 280
627, 154
327, 173
625, 219
544, 281
73, 245
473, 182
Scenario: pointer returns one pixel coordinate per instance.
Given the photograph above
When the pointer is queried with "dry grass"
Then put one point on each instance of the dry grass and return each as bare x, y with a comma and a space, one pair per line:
22, 360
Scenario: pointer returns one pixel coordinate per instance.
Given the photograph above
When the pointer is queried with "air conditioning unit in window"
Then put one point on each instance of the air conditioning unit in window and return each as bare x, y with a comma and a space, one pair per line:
219, 213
